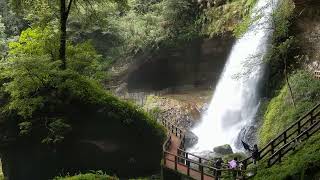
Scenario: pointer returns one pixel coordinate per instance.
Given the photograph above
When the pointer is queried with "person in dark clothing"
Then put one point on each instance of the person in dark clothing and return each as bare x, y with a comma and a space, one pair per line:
218, 165
255, 154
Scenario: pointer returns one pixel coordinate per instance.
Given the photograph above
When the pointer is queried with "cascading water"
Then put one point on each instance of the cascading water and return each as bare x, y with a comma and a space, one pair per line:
235, 100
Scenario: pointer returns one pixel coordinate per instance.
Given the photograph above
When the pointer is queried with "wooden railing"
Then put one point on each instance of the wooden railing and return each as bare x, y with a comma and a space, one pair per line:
286, 141
195, 166
173, 129
199, 170
317, 74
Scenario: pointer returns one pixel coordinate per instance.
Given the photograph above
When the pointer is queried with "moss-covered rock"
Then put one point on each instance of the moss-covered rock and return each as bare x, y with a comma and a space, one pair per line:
223, 150
104, 134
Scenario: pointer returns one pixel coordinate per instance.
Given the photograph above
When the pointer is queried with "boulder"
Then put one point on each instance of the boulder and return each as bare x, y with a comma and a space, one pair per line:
223, 150
190, 139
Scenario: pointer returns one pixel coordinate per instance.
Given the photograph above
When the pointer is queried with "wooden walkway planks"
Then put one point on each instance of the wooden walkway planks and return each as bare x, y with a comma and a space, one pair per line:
172, 162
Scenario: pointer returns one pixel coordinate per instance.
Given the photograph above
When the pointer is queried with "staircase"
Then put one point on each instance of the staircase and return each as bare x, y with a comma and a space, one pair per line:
286, 141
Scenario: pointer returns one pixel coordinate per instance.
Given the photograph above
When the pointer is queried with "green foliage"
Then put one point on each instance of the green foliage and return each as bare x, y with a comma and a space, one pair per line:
143, 27
280, 111
1, 173
303, 163
41, 95
231, 17
282, 19
33, 84
38, 42
99, 175
2, 39
164, 23
284, 49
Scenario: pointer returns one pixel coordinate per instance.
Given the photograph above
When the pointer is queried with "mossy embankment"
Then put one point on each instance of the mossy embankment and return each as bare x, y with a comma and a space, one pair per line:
94, 131
300, 164
291, 89
281, 112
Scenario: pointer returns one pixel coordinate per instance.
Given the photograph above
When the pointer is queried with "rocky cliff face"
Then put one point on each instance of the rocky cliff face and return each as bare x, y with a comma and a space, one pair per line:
197, 65
307, 32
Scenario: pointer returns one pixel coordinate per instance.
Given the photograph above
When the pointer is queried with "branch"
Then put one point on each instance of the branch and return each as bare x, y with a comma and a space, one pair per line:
69, 7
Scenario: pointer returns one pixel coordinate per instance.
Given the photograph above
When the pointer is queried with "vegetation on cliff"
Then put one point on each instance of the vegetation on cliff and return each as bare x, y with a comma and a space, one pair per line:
300, 164
292, 91
234, 16
280, 111
89, 176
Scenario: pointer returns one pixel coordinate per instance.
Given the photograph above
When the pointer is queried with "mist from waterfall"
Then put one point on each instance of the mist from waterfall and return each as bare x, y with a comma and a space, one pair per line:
235, 100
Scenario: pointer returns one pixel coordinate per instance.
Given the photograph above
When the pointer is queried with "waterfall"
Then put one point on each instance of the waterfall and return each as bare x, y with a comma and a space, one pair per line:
235, 99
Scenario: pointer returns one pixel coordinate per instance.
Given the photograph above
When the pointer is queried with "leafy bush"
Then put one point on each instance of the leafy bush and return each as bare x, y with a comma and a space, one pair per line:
89, 176
46, 107
2, 39
280, 112
38, 42
234, 16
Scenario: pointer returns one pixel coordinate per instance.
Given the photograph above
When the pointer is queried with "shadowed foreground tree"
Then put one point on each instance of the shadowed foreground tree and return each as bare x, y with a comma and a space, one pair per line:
49, 9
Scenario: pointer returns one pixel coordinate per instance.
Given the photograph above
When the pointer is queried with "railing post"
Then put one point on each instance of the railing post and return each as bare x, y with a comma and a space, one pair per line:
188, 165
245, 164
201, 170
269, 162
280, 155
299, 127
176, 131
175, 162
200, 161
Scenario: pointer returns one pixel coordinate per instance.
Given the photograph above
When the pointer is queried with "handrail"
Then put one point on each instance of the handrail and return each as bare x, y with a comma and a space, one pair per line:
285, 136
173, 129
278, 153
283, 140
196, 156
201, 166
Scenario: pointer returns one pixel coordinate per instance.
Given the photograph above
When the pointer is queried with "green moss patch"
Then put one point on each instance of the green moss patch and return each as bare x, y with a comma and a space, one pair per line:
281, 112
301, 164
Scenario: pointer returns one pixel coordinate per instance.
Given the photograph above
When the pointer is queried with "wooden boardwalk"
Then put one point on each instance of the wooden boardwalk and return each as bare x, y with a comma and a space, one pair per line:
171, 162
199, 168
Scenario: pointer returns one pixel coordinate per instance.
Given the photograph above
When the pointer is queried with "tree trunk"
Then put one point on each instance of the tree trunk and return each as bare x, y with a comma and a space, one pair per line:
63, 34
64, 13
288, 83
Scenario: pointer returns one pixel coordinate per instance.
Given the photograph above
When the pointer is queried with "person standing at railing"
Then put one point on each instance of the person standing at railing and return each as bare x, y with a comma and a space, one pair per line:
218, 165
255, 154
254, 151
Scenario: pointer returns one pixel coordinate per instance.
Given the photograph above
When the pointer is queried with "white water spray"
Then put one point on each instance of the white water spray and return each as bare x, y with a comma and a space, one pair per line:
235, 101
